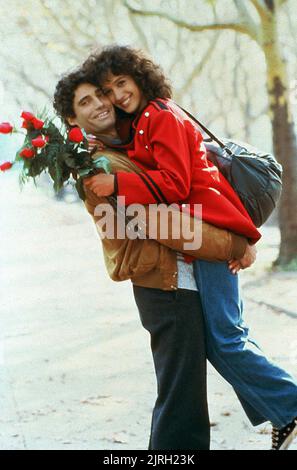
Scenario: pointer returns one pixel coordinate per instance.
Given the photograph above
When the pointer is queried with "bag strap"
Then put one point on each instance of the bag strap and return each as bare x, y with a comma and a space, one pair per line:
208, 132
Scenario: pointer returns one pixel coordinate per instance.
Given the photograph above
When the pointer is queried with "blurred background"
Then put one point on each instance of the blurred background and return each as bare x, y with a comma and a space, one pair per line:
219, 74
64, 324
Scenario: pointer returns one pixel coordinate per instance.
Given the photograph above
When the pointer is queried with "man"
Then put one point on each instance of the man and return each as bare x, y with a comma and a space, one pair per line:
164, 287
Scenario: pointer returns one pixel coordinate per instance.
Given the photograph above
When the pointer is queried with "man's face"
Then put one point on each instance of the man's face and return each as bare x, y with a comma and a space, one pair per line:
93, 111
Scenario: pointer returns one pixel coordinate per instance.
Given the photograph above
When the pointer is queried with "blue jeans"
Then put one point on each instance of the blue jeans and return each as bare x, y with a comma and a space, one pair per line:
266, 392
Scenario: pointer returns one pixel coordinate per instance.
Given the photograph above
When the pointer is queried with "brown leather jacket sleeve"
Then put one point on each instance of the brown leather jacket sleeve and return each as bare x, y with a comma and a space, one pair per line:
208, 242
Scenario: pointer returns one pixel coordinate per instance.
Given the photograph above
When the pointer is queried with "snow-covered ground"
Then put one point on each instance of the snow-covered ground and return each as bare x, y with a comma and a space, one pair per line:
76, 367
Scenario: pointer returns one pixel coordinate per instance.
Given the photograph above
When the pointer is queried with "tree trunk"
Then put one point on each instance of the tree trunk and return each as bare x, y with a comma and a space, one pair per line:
284, 139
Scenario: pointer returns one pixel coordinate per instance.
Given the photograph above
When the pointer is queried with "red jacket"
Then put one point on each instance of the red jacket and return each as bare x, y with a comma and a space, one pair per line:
168, 146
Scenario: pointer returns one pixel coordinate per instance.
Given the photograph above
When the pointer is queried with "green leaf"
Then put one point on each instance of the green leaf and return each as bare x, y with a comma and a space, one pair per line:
69, 160
102, 162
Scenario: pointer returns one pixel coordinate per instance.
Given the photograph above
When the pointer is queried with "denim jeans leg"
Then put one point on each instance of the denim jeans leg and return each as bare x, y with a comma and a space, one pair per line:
263, 385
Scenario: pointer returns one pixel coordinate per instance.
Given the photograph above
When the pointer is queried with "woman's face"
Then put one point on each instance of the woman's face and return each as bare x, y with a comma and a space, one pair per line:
124, 93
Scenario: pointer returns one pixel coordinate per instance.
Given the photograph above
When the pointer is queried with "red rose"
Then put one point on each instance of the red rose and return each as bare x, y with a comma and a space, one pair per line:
37, 123
75, 135
5, 166
5, 128
27, 116
26, 124
38, 142
27, 153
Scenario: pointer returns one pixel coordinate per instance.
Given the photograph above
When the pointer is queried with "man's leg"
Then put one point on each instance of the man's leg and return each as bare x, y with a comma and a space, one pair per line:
174, 320
267, 392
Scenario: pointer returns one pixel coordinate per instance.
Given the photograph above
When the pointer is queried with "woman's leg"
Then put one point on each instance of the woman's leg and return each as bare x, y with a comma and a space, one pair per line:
174, 320
267, 390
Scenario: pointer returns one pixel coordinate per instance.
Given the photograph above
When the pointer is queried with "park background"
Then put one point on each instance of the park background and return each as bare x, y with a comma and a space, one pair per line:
76, 370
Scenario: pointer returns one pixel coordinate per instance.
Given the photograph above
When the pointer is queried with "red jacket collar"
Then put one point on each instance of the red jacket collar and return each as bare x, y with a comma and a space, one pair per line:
126, 125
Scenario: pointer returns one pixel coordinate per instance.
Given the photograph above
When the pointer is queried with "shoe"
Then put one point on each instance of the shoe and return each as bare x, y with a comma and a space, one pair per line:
283, 438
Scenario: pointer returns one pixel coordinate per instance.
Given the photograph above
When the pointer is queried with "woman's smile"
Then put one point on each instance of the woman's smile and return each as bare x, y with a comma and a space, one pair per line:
125, 102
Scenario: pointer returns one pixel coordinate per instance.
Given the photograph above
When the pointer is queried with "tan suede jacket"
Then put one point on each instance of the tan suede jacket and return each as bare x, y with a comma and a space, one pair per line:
152, 263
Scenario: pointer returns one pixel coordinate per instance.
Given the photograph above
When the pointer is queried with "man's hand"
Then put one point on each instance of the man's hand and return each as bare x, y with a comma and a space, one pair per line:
101, 184
246, 261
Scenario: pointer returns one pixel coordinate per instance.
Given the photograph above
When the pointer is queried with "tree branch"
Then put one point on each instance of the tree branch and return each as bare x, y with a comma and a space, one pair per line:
109, 12
269, 4
20, 72
243, 12
139, 30
235, 26
261, 9
197, 69
75, 25
280, 3
68, 34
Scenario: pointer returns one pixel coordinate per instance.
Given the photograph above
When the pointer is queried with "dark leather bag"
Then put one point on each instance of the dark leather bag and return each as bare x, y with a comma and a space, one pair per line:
255, 176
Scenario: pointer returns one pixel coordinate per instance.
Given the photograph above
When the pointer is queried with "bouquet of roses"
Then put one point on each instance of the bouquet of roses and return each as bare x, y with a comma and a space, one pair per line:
58, 152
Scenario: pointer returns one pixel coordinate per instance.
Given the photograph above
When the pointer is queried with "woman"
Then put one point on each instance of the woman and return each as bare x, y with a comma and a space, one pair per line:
162, 140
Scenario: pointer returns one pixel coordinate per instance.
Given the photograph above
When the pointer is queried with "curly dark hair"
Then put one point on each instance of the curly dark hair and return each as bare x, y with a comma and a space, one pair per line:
124, 60
65, 91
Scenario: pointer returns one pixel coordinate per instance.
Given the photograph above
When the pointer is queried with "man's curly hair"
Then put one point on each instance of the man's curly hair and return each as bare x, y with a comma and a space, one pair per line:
65, 91
124, 60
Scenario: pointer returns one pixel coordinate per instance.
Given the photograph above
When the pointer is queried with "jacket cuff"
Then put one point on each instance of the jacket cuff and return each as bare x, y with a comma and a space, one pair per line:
239, 245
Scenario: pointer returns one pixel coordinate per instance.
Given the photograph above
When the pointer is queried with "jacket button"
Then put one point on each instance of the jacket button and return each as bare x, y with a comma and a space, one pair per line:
147, 114
141, 131
146, 147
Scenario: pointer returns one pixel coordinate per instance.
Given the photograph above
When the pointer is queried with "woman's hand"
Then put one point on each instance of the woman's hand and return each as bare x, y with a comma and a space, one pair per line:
246, 261
101, 184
